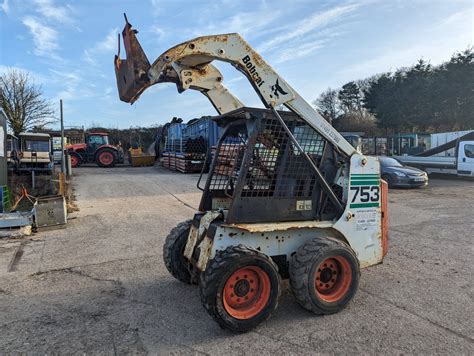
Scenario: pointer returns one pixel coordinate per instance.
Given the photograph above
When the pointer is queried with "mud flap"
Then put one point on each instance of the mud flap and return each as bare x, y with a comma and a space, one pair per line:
131, 72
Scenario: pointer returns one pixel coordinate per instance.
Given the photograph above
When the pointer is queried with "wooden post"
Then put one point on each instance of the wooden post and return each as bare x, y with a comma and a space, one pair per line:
61, 184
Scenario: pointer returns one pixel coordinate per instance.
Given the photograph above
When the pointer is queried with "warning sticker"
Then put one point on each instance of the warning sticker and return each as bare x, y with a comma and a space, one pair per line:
303, 205
366, 219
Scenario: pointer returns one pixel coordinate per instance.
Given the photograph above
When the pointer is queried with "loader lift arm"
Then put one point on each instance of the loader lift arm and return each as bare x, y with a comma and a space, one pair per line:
132, 76
188, 65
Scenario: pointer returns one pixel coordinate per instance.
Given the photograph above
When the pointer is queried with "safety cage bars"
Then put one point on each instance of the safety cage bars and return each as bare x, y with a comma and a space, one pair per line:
260, 172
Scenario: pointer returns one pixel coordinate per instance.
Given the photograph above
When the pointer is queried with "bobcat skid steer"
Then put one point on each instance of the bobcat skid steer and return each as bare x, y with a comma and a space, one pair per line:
286, 195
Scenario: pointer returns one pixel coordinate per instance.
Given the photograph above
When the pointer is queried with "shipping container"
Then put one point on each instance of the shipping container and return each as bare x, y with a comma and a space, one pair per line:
205, 128
175, 131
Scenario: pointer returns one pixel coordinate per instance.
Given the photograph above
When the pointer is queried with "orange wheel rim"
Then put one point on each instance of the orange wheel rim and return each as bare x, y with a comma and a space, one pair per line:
246, 292
333, 279
106, 158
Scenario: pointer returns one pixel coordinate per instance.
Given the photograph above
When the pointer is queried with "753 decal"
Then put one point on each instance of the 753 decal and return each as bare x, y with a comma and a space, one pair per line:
365, 191
365, 194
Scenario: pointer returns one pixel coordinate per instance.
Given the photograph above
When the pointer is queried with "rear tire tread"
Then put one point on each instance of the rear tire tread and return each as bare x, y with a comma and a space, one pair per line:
300, 267
175, 237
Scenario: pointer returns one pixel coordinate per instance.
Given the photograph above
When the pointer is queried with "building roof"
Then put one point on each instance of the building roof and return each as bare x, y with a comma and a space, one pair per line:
33, 134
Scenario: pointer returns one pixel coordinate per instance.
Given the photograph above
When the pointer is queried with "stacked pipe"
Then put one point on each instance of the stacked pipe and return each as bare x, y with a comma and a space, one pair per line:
186, 156
187, 145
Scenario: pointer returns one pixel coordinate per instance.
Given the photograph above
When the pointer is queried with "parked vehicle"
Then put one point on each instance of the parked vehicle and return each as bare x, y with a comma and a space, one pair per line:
56, 143
461, 164
97, 150
35, 152
13, 151
397, 174
286, 195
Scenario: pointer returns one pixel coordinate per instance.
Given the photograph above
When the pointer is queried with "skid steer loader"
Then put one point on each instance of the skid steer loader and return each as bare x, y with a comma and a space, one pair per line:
286, 195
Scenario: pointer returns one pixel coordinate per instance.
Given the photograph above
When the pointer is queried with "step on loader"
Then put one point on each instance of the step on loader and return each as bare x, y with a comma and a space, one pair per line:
286, 195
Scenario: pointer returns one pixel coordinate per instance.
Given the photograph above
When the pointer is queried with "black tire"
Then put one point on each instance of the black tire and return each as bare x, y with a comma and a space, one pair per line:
388, 179
214, 284
305, 271
102, 163
78, 157
173, 250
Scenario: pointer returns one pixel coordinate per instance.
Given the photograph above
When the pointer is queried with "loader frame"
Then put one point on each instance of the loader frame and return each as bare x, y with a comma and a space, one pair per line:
286, 194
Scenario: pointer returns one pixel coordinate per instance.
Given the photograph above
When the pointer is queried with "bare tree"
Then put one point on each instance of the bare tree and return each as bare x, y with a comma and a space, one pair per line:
328, 104
23, 102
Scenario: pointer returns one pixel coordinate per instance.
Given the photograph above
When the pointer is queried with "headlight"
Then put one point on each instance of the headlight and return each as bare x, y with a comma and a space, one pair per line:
400, 174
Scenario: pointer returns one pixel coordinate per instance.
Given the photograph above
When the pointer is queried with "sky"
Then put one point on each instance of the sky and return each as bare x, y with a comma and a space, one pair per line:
67, 46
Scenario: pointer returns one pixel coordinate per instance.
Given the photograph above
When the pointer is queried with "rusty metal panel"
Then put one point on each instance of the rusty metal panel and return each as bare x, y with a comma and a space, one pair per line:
281, 226
131, 73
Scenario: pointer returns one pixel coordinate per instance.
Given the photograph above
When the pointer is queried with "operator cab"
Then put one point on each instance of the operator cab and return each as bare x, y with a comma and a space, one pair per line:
95, 140
257, 166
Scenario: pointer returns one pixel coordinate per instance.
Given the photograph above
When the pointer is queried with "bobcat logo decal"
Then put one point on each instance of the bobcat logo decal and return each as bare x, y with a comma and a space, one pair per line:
277, 90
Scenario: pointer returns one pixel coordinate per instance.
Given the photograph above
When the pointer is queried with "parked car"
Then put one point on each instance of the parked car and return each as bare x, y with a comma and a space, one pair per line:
396, 174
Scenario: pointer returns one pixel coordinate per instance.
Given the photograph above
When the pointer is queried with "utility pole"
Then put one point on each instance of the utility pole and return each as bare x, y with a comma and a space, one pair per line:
63, 161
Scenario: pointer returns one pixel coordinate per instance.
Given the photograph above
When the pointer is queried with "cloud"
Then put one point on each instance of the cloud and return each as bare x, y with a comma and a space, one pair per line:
108, 44
158, 31
35, 77
53, 11
299, 51
157, 7
5, 7
248, 24
451, 34
309, 24
45, 38
73, 84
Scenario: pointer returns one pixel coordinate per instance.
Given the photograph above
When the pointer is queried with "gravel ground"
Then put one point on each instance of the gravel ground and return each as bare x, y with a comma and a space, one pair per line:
100, 286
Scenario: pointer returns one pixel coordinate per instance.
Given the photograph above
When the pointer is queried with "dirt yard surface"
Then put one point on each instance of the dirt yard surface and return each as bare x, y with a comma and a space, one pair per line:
100, 285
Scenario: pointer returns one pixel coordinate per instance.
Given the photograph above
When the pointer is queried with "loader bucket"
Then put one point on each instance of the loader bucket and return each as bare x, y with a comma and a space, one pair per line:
131, 72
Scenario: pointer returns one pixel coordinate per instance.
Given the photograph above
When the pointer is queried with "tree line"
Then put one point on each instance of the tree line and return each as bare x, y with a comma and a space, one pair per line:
420, 98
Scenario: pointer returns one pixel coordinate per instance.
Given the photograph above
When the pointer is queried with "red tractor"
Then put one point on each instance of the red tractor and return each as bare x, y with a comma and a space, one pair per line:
96, 149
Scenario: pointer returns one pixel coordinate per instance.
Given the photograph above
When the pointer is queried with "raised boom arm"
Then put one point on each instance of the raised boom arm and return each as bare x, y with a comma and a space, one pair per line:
189, 66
